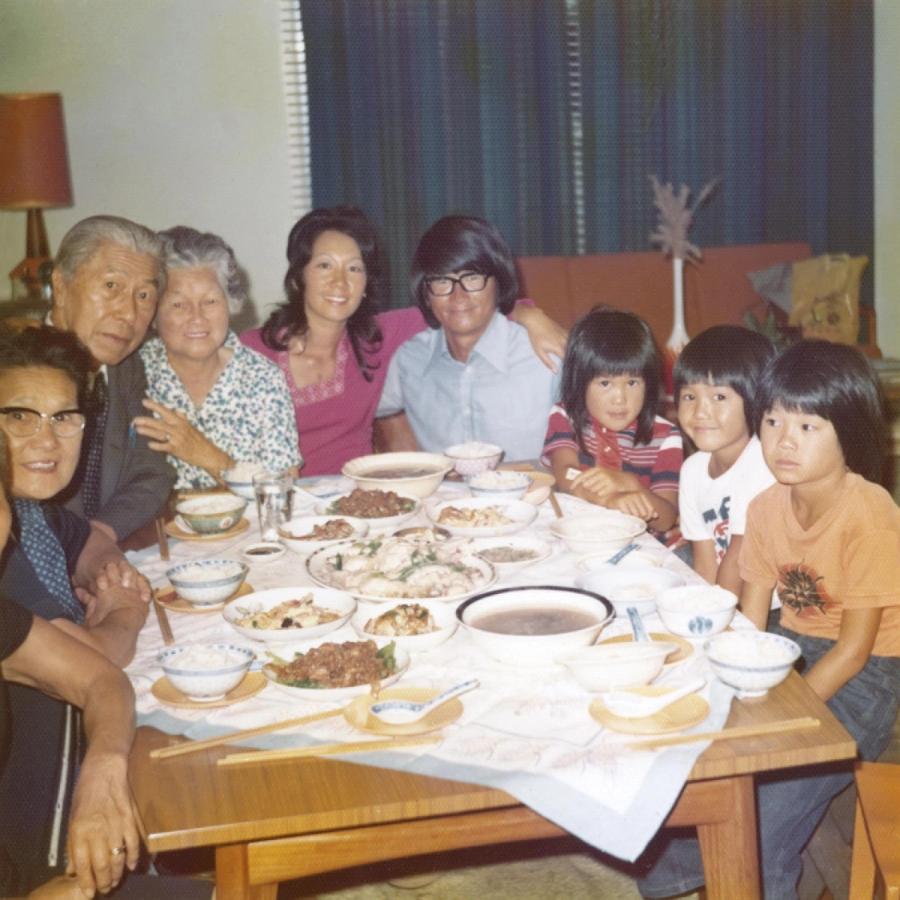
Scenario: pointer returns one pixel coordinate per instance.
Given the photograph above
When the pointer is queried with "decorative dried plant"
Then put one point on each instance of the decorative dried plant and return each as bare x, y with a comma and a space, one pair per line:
675, 217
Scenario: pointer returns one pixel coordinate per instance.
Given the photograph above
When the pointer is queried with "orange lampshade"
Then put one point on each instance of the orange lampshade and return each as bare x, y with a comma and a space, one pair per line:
34, 163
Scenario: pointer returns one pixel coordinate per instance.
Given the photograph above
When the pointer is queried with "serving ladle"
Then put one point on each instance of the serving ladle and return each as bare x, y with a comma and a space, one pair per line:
403, 712
631, 705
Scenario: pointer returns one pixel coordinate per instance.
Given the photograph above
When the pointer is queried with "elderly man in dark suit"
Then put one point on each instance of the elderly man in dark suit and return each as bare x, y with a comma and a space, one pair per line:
106, 282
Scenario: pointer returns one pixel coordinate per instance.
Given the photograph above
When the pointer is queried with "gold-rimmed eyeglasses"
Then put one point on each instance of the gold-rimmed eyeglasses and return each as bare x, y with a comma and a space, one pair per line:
20, 421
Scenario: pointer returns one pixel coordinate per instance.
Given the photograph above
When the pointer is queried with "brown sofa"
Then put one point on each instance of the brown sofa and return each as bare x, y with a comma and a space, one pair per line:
716, 289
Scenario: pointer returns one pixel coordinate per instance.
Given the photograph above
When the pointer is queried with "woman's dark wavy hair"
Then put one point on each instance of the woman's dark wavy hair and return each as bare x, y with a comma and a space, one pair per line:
835, 382
54, 349
727, 355
463, 243
610, 341
290, 318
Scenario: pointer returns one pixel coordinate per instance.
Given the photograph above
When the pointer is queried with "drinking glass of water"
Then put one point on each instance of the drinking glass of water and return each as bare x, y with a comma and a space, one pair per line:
274, 496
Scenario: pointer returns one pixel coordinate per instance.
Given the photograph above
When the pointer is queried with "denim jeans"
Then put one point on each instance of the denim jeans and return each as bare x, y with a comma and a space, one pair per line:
791, 804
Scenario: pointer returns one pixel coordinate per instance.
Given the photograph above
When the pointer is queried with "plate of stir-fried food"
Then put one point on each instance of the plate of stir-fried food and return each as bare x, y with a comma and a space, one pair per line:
331, 670
415, 625
280, 615
381, 509
306, 534
380, 570
481, 516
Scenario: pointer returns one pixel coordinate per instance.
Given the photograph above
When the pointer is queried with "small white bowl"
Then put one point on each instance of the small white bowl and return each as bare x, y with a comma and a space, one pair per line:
636, 586
604, 531
211, 513
444, 617
339, 602
502, 485
291, 533
696, 610
413, 473
263, 552
240, 479
751, 661
534, 649
605, 667
643, 556
474, 457
205, 681
206, 582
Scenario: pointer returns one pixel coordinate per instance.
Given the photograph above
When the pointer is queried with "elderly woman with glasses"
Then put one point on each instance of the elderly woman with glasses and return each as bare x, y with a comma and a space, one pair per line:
332, 340
59, 568
214, 401
473, 376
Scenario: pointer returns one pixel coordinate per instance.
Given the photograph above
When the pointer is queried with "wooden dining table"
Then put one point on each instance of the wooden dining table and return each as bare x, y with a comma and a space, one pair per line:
276, 821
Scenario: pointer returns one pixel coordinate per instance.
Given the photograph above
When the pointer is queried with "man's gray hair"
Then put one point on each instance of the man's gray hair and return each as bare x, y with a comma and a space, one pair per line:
187, 248
83, 239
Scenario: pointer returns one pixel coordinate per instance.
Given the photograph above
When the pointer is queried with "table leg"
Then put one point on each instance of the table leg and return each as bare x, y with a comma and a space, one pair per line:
730, 848
233, 876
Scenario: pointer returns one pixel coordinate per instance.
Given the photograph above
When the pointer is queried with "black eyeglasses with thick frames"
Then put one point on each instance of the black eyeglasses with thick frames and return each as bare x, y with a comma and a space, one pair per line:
20, 421
442, 285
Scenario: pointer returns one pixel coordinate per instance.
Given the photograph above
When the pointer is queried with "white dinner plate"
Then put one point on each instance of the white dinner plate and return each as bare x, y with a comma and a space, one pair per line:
290, 533
326, 508
444, 615
519, 513
336, 601
539, 550
330, 694
321, 571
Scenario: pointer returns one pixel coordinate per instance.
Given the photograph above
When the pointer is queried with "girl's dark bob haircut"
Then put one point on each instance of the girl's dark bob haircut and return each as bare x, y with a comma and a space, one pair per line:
728, 355
834, 382
610, 341
290, 318
463, 243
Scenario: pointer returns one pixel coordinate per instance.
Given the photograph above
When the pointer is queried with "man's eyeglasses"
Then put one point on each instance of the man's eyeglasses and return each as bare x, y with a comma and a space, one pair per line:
20, 421
442, 285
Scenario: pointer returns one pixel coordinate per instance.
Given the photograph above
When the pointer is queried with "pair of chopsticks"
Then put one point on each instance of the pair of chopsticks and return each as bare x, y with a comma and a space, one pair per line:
165, 629
256, 756
195, 746
727, 734
161, 538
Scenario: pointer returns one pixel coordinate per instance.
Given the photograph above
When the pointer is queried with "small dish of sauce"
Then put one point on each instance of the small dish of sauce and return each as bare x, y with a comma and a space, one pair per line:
263, 551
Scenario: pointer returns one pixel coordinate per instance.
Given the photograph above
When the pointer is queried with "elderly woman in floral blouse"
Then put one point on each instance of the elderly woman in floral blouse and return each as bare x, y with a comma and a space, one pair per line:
214, 402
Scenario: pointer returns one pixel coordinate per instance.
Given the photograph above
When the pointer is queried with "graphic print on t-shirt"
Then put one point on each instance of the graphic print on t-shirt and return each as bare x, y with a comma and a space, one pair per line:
720, 528
800, 587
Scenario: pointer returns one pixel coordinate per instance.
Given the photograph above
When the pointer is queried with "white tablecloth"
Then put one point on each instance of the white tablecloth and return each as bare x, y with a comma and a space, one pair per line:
525, 730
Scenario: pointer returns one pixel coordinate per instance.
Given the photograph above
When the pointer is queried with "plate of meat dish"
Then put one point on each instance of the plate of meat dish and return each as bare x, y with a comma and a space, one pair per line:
482, 516
306, 534
382, 570
510, 552
279, 615
332, 671
413, 625
381, 509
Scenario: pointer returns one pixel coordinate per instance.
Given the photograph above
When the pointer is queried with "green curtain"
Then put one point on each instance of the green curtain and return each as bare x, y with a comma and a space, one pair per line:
546, 117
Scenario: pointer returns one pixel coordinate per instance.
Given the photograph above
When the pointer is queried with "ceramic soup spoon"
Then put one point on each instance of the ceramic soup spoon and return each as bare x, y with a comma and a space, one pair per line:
631, 705
402, 712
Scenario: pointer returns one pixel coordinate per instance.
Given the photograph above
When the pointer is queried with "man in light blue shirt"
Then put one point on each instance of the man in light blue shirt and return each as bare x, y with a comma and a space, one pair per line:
473, 376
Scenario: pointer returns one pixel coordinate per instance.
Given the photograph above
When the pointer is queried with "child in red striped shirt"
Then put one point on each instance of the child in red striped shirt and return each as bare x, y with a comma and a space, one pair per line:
604, 441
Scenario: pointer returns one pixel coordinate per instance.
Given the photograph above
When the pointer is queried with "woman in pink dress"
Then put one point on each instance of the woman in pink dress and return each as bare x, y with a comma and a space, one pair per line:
333, 345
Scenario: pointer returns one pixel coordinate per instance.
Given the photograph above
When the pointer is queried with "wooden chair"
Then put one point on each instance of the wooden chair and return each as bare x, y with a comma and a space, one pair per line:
875, 868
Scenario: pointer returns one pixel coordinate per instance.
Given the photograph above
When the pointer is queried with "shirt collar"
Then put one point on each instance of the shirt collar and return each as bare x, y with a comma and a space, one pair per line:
492, 346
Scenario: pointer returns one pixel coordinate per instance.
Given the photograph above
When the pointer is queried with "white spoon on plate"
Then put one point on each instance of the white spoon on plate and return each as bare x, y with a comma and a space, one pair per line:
403, 712
630, 705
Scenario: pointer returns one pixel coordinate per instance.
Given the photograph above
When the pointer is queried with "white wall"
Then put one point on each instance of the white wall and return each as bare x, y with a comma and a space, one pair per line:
175, 115
887, 176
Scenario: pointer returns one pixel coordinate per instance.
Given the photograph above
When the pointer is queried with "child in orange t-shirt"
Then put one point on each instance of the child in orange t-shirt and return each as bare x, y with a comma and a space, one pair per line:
828, 538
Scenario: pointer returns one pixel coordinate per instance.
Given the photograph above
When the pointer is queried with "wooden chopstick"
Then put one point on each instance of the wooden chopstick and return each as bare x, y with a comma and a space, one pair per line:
555, 504
164, 627
727, 734
161, 538
195, 746
256, 756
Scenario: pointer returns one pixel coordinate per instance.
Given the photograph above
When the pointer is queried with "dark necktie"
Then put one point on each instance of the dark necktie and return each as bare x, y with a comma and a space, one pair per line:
90, 488
45, 553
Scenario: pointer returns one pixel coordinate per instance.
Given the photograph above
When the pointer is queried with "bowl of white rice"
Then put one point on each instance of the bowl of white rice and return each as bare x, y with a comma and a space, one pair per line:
239, 478
506, 485
696, 610
474, 457
206, 582
751, 661
206, 671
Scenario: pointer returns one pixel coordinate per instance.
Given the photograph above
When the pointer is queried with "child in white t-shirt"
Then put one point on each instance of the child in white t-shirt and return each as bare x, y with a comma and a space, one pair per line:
716, 379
